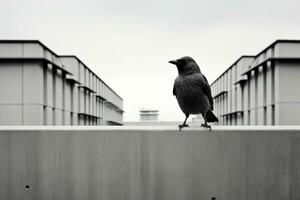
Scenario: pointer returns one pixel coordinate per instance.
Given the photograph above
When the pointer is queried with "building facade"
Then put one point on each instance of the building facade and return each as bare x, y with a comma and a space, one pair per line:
149, 115
261, 89
39, 87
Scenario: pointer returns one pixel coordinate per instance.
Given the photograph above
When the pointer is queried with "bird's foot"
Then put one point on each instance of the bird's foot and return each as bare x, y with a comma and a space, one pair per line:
206, 126
180, 126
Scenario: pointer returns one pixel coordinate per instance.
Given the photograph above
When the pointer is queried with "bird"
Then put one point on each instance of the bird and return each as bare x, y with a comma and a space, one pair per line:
192, 91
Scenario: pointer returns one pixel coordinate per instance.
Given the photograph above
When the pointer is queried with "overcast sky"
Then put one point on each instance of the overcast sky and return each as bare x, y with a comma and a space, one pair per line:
129, 43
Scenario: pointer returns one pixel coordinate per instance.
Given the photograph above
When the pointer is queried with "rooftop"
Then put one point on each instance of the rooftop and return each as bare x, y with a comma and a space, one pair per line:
44, 46
255, 56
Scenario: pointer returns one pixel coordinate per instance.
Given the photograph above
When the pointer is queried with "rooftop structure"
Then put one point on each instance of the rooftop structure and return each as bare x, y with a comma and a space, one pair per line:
149, 115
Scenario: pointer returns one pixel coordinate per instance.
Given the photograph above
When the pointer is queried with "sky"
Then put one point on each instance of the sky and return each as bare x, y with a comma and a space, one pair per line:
128, 43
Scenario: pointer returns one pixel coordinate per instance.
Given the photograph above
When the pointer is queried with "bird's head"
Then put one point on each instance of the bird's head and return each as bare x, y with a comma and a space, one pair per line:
186, 65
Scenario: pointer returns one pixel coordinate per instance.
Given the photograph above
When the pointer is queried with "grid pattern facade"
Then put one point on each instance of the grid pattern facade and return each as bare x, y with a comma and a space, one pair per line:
39, 87
149, 115
261, 89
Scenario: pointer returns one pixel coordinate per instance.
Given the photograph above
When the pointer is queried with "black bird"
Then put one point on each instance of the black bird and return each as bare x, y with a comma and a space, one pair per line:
192, 91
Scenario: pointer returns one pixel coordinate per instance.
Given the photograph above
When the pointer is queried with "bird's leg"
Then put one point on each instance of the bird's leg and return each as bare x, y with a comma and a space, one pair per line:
205, 124
184, 123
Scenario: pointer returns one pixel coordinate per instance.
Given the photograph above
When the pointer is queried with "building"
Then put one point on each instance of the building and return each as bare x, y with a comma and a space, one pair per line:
193, 123
39, 87
261, 89
149, 115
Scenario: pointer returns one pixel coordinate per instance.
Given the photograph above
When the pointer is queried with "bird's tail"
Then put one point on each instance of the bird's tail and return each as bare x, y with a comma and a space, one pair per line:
210, 117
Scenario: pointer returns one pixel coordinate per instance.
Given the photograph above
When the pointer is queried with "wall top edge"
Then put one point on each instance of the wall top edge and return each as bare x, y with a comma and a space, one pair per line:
150, 128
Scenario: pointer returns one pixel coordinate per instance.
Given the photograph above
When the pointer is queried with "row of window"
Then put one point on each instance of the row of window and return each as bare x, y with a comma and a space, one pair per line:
73, 99
235, 106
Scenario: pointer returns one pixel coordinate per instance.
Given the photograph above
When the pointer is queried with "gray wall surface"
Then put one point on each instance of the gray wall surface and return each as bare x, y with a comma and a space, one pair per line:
141, 163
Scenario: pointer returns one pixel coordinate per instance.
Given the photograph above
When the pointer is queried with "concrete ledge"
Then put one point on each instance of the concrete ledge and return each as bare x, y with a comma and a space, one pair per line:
150, 128
149, 163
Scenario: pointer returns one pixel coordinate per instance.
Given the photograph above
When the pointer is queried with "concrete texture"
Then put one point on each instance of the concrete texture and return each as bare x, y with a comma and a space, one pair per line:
149, 163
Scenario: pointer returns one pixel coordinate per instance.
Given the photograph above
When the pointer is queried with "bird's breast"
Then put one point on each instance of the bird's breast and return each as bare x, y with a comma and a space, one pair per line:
190, 95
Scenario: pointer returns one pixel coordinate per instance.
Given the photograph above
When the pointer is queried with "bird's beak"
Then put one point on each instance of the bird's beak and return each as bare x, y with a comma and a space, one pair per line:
174, 62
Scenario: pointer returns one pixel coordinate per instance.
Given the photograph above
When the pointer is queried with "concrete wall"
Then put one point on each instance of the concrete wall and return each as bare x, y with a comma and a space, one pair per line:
288, 101
144, 163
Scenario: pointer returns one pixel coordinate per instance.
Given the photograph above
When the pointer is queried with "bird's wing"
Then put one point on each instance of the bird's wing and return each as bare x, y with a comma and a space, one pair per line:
208, 93
174, 90
176, 83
